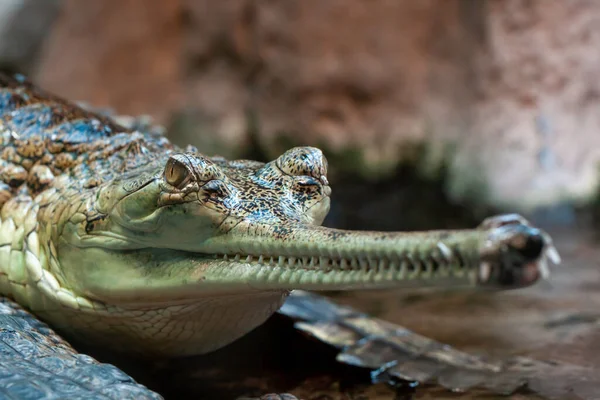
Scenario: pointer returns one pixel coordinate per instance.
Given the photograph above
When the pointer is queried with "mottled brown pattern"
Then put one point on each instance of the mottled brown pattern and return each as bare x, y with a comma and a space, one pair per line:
44, 137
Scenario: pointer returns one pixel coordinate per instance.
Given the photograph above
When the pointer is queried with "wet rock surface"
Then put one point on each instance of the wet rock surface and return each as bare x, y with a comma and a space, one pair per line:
37, 364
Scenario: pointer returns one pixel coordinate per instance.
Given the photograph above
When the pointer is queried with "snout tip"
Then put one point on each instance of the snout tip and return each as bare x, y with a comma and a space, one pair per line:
515, 254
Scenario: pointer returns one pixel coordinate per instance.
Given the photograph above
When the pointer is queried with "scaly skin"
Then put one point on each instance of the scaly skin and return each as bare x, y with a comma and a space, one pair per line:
124, 239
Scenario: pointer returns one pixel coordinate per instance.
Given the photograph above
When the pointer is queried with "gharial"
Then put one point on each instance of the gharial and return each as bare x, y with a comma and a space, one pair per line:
119, 237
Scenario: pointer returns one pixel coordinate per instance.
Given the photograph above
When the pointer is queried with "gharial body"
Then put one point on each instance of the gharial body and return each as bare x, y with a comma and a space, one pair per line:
120, 237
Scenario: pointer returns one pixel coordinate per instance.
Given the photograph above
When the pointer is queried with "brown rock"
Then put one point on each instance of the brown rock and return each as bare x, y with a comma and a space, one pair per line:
533, 135
122, 54
512, 85
515, 93
346, 74
219, 61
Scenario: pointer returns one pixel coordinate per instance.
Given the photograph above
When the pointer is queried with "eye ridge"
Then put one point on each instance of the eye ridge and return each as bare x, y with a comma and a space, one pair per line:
215, 188
306, 180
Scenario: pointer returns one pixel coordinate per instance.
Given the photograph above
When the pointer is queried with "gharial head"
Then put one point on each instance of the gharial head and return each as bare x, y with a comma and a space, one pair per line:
186, 229
189, 204
189, 198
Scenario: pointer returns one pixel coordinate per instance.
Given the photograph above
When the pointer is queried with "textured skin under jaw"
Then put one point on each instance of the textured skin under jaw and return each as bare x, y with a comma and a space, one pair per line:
119, 237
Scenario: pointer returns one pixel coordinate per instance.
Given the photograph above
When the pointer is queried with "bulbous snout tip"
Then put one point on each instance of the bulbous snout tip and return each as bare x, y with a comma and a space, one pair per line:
515, 254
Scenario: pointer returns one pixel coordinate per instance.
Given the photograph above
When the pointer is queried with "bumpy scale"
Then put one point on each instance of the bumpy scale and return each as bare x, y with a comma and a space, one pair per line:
117, 236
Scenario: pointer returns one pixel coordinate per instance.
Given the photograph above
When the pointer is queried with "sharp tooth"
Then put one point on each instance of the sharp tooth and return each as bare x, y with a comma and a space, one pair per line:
485, 270
373, 264
364, 264
323, 262
544, 270
260, 259
305, 261
291, 261
249, 259
237, 257
272, 261
383, 264
225, 257
553, 255
445, 250
354, 263
403, 267
343, 264
281, 260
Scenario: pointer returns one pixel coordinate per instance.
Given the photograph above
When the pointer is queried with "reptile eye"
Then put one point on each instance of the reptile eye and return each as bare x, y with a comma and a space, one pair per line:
176, 173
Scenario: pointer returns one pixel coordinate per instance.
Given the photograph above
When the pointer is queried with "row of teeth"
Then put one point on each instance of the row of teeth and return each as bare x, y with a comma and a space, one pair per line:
434, 262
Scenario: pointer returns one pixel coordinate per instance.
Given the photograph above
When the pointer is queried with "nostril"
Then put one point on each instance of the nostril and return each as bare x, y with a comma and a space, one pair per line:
533, 246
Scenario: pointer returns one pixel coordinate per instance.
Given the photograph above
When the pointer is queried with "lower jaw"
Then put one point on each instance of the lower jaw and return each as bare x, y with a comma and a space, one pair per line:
172, 277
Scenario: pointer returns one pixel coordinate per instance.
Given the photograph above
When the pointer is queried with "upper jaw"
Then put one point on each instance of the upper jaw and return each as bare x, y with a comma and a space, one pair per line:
504, 252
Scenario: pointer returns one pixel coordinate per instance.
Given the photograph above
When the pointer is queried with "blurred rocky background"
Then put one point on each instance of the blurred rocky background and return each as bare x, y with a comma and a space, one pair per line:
456, 107
432, 113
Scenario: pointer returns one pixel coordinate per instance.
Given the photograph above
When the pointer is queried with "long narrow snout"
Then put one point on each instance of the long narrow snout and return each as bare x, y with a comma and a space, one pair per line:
501, 253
